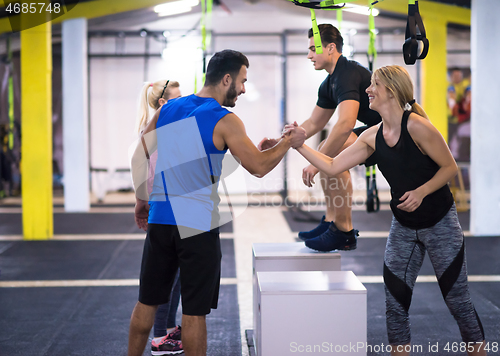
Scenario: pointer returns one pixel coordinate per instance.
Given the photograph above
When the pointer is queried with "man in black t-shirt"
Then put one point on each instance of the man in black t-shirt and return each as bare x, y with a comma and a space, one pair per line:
343, 90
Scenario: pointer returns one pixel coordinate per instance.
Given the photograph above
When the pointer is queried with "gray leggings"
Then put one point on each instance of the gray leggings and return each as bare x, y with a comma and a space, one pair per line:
404, 255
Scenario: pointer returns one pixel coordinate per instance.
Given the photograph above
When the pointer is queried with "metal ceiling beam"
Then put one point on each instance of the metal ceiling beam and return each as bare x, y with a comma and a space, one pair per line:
93, 9
447, 13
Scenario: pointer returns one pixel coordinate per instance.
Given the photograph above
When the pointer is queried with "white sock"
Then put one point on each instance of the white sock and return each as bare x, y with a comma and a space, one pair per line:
158, 339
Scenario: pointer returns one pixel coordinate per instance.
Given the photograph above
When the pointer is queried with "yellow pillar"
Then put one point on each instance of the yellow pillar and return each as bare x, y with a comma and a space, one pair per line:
36, 122
434, 68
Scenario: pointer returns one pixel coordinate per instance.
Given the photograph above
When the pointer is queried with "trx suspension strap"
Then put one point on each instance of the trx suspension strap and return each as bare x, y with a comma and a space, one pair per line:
318, 48
339, 20
10, 67
410, 47
372, 200
372, 51
206, 21
206, 38
320, 5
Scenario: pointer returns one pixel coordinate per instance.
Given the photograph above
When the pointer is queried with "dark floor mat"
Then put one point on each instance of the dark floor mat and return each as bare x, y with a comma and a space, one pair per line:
62, 260
94, 322
367, 259
431, 322
87, 223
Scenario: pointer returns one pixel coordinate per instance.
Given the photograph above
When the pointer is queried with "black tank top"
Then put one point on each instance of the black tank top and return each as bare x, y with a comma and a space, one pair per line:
406, 168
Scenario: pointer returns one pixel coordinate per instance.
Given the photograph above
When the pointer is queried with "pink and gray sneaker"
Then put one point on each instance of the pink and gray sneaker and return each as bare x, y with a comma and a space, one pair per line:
176, 334
166, 346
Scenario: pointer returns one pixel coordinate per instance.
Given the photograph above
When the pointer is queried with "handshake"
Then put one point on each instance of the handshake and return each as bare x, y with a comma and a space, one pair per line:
296, 134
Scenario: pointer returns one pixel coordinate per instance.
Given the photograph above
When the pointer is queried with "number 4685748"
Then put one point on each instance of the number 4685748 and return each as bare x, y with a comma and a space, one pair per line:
470, 346
32, 8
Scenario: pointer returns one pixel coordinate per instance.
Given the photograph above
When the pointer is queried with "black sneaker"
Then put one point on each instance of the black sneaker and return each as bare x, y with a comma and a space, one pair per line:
334, 239
318, 230
166, 347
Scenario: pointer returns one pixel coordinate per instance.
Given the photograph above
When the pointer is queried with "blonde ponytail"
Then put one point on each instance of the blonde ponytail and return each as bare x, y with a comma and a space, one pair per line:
417, 109
143, 108
149, 97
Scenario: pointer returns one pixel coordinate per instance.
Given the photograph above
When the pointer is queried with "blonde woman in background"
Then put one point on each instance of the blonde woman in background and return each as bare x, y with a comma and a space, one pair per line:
167, 335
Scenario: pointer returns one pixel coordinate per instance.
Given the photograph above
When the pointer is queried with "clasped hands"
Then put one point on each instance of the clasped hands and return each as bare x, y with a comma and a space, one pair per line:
294, 131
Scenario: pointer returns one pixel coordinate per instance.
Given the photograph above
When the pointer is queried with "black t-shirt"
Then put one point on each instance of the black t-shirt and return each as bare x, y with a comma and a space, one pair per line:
406, 168
348, 81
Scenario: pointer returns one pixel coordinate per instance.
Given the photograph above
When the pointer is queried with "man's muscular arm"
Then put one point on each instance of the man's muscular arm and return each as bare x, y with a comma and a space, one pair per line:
348, 113
231, 131
318, 120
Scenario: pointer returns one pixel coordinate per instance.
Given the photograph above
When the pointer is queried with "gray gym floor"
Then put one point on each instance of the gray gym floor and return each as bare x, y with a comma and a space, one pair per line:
73, 295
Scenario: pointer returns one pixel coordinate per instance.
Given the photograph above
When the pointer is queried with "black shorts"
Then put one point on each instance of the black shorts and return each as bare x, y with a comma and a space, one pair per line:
199, 260
358, 131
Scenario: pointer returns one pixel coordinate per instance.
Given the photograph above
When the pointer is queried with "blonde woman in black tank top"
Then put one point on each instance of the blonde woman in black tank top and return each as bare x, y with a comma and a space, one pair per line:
417, 163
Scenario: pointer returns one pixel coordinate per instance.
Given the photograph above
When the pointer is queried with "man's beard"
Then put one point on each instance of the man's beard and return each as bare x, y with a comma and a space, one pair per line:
231, 95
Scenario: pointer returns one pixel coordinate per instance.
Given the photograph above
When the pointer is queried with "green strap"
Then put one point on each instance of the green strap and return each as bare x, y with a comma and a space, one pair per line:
10, 95
339, 20
203, 26
206, 36
411, 2
11, 112
317, 38
206, 21
209, 22
372, 51
330, 3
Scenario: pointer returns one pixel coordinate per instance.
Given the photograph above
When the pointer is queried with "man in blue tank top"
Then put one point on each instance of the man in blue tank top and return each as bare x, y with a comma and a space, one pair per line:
191, 135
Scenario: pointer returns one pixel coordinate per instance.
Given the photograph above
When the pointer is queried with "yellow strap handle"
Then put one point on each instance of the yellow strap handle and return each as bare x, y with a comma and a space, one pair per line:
317, 38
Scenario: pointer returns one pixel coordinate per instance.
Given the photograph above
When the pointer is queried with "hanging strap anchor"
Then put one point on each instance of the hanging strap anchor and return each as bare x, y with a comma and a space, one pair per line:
410, 47
319, 4
372, 51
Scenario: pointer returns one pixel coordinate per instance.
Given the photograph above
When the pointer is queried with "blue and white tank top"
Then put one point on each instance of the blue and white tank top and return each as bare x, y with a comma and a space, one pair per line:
188, 165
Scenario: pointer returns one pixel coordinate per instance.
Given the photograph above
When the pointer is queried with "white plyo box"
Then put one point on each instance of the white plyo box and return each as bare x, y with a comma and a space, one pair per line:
294, 256
310, 312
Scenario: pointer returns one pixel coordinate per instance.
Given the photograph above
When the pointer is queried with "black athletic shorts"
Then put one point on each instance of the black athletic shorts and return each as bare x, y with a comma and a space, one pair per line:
358, 131
199, 260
